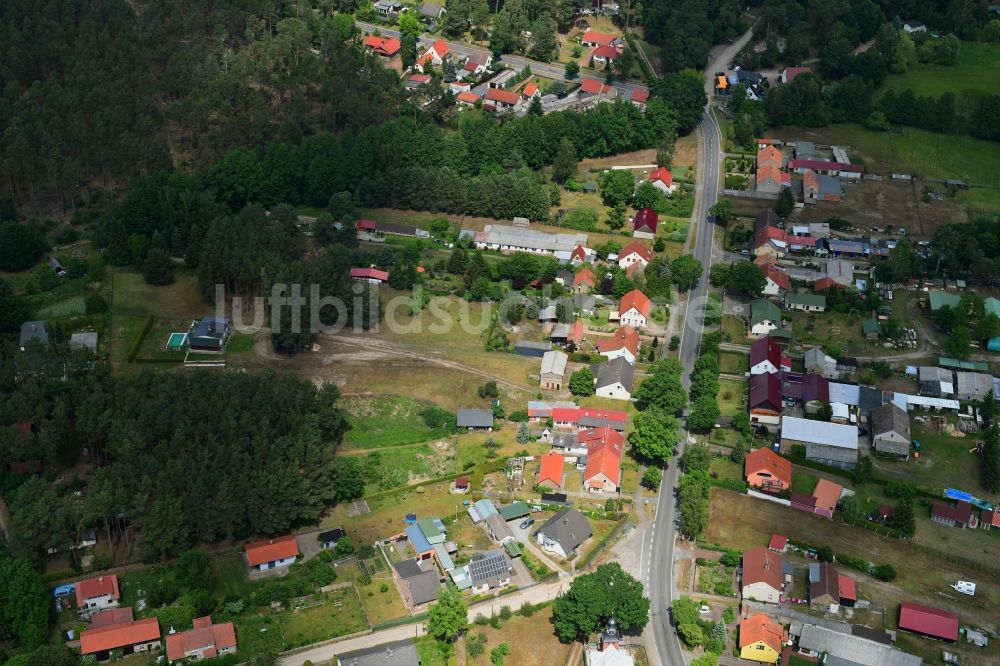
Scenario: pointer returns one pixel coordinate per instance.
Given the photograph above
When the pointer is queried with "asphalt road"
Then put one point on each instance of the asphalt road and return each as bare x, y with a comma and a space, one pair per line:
664, 528
548, 70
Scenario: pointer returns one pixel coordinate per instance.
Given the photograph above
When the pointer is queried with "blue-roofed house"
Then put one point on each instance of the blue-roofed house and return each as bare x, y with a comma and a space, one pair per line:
422, 548
481, 510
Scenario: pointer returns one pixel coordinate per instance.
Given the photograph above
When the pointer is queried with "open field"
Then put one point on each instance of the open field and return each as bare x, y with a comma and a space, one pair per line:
926, 154
733, 363
739, 521
730, 397
393, 421
180, 300
339, 613
969, 78
828, 326
531, 640
380, 598
734, 330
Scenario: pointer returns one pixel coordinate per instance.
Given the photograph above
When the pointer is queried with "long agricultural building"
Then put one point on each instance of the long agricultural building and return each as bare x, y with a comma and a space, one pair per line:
518, 239
828, 443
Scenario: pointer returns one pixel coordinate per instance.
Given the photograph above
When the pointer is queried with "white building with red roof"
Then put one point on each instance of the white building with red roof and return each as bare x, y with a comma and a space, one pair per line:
603, 473
369, 275
97, 594
593, 87
623, 344
467, 99
531, 91
639, 97
130, 637
271, 553
501, 100
604, 55
662, 179
776, 280
383, 46
434, 55
635, 253
634, 309
594, 38
205, 641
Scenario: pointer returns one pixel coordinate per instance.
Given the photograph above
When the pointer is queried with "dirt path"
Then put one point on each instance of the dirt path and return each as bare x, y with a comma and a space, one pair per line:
366, 349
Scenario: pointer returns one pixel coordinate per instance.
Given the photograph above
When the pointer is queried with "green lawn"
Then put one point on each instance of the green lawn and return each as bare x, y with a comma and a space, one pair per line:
387, 420
230, 572
734, 330
75, 305
730, 397
432, 653
733, 363
339, 614
240, 343
803, 482
928, 154
974, 75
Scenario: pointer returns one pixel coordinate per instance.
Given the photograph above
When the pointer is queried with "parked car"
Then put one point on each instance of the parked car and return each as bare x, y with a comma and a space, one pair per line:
526, 523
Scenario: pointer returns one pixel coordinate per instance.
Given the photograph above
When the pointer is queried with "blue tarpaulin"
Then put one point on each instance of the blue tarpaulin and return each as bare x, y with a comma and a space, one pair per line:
64, 590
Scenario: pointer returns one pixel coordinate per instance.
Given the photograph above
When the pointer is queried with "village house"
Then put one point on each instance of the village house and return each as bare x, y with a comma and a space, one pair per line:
477, 63
467, 99
328, 539
761, 639
434, 55
550, 471
634, 309
204, 641
564, 532
816, 361
639, 97
789, 74
432, 10
509, 239
128, 635
805, 302
959, 514
769, 177
389, 7
419, 582
501, 100
764, 402
592, 38
604, 459
589, 87
489, 571
776, 280
387, 47
475, 419
662, 179
604, 56
614, 379
584, 281
97, 594
530, 92
32, 330
766, 470
209, 334
767, 357
417, 81
81, 341
645, 223
369, 275
635, 253
762, 575
824, 587
765, 317
270, 554
553, 370
623, 344
928, 621
890, 430
610, 650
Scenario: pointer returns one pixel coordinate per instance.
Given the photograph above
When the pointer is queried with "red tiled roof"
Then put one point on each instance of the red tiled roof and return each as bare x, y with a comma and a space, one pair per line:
467, 96
827, 494
529, 90
441, 48
607, 52
604, 455
792, 72
927, 620
576, 332
825, 165
579, 252
566, 414
551, 468
765, 393
959, 512
778, 277
823, 284
112, 616
662, 174
97, 587
777, 543
767, 173
368, 225
271, 550
594, 37
503, 96
215, 637
608, 414
119, 635
635, 299
640, 95
761, 628
769, 156
585, 276
646, 219
766, 460
848, 588
625, 337
810, 179
369, 274
804, 241
383, 46
593, 86
762, 566
638, 248
420, 78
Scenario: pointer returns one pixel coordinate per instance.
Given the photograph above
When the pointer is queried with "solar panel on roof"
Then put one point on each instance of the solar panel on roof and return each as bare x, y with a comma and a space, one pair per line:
493, 564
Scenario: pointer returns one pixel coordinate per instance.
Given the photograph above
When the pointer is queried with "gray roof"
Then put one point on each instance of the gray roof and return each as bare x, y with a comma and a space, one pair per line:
929, 373
408, 569
559, 331
974, 384
397, 653
816, 357
424, 587
569, 527
431, 9
554, 363
499, 234
33, 329
79, 341
890, 418
615, 370
209, 332
830, 185
819, 432
489, 565
853, 648
496, 524
475, 418
805, 150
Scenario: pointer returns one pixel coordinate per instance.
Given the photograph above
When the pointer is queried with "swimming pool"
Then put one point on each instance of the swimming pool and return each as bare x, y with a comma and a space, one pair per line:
176, 341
